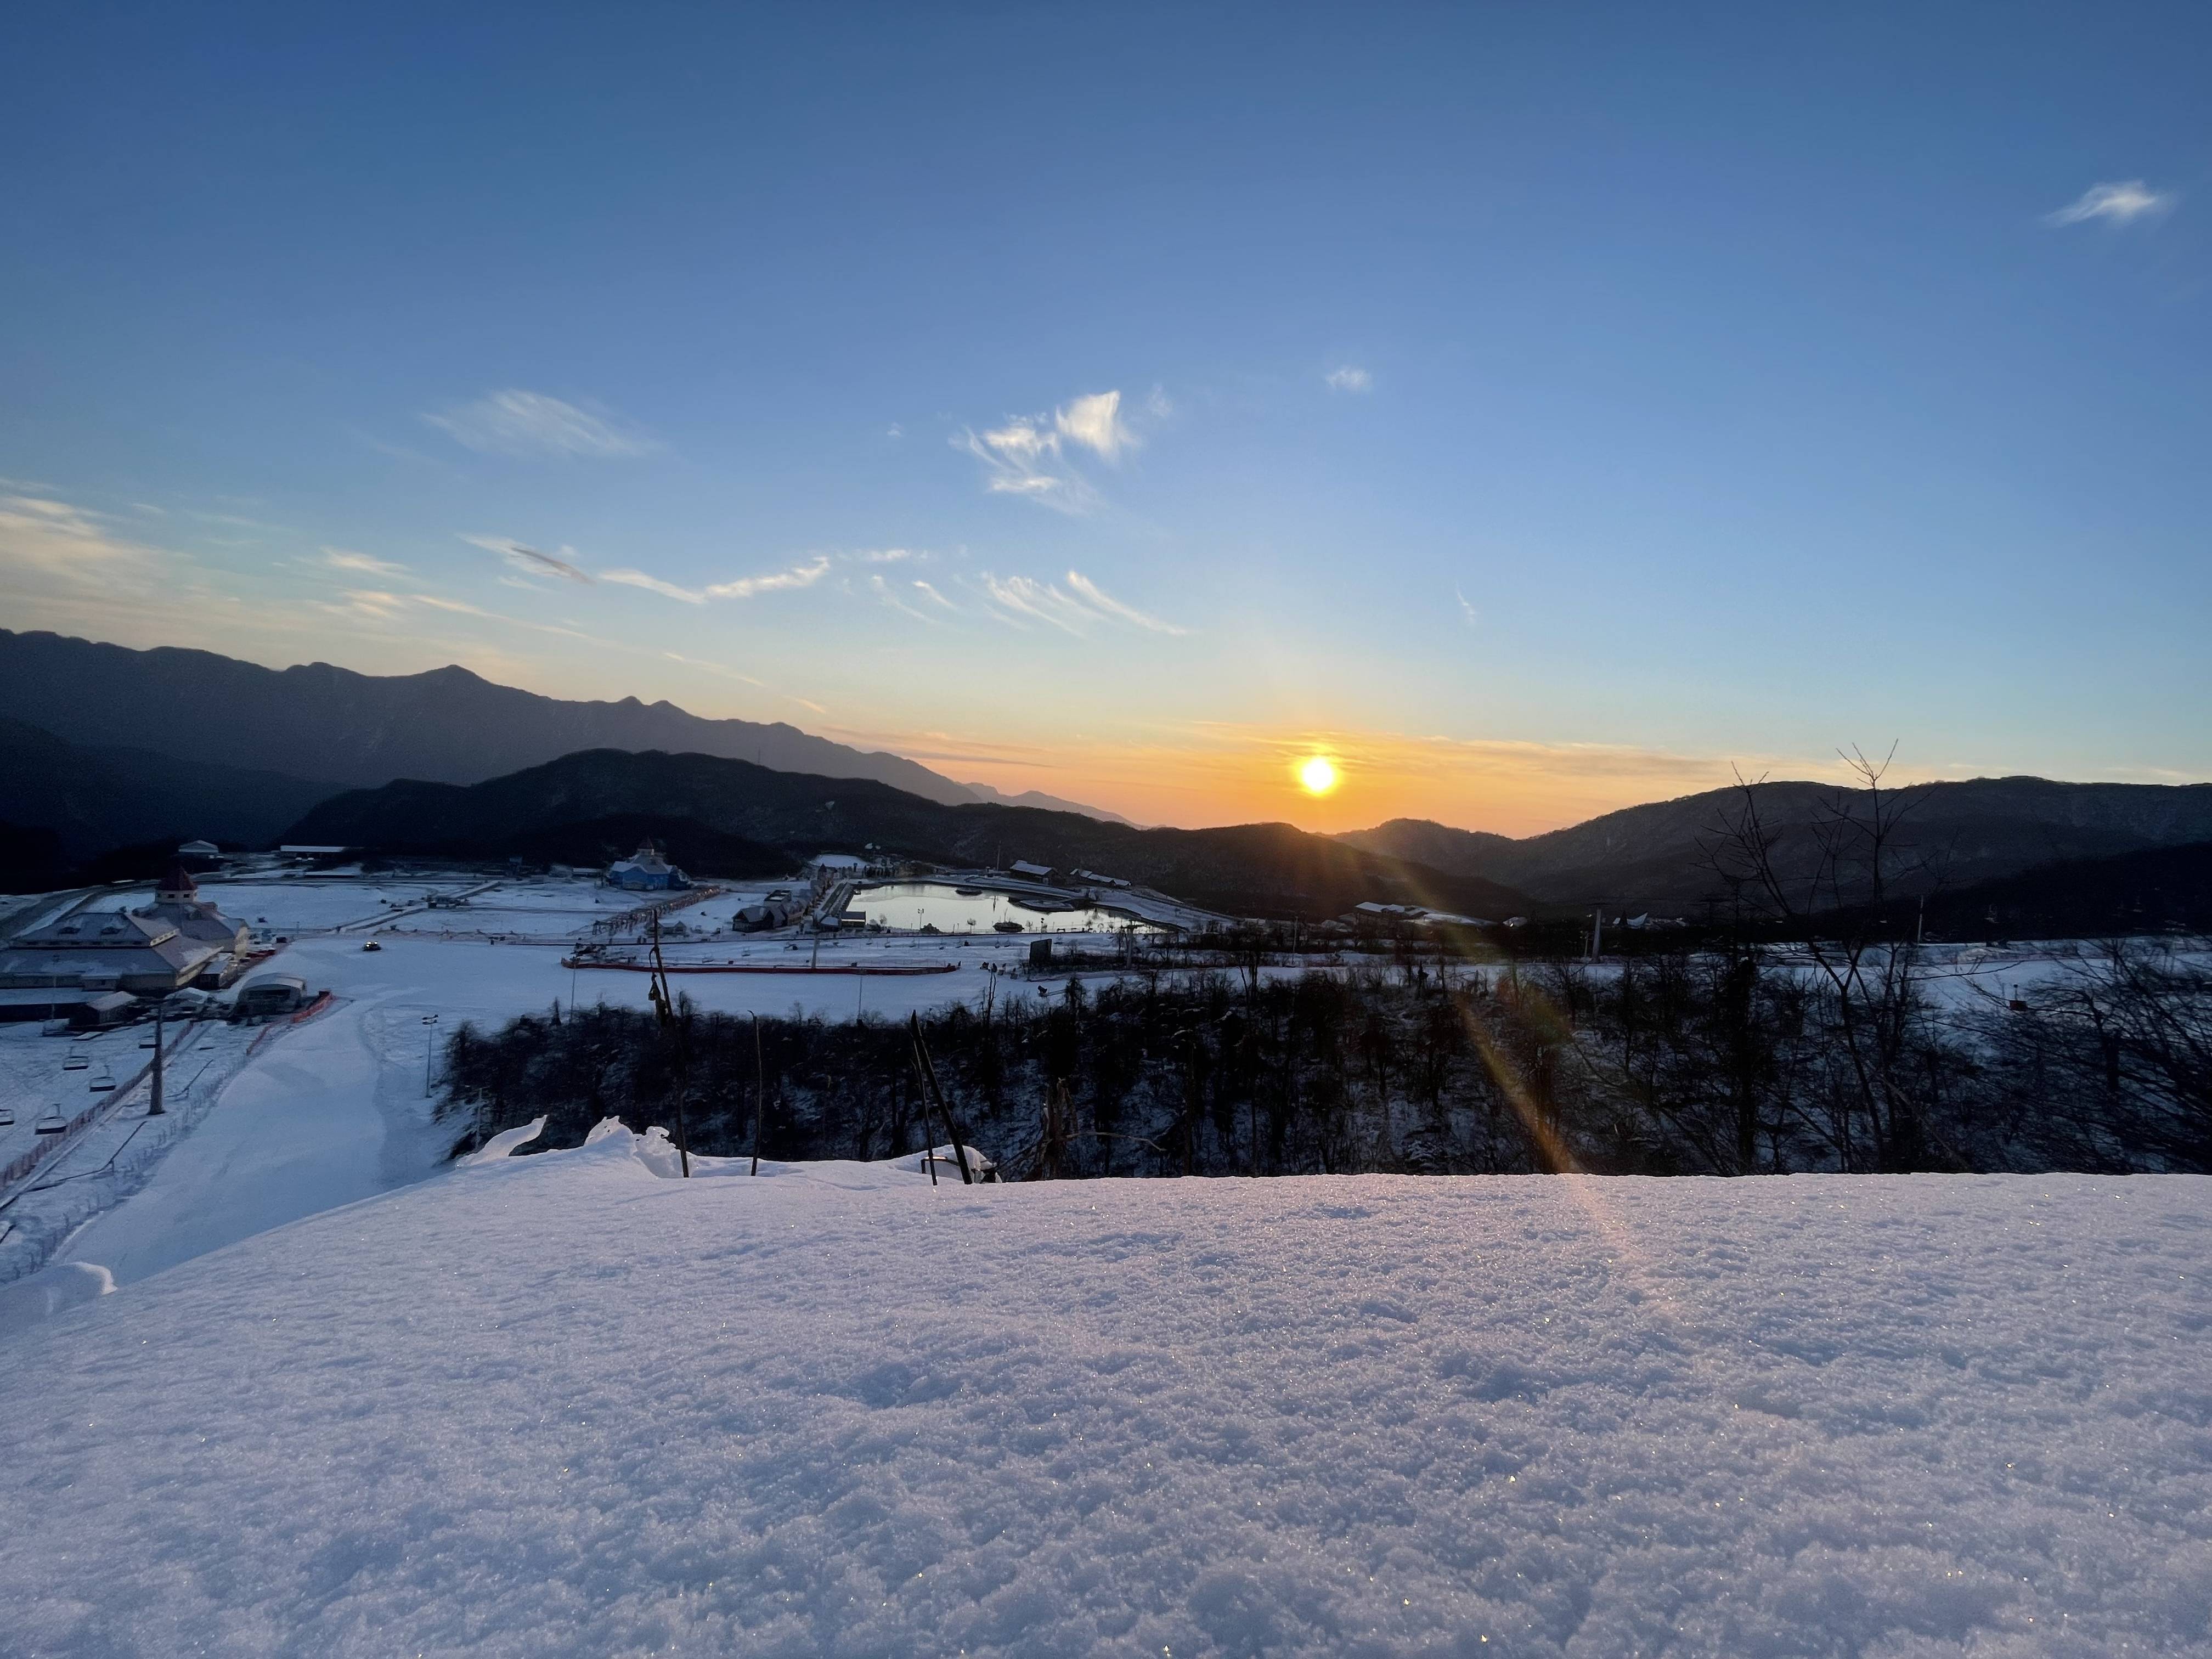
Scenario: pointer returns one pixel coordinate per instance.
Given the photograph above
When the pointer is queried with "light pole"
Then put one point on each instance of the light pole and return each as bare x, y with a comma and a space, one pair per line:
429, 1050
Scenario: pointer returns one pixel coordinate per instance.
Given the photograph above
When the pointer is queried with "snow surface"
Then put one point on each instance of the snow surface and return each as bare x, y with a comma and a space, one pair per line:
560, 1404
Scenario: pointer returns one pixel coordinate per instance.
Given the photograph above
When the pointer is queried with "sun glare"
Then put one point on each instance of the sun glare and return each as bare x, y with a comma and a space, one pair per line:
1317, 774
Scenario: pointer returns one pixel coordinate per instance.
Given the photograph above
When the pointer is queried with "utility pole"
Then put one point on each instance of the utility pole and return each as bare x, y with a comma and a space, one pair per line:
429, 1050
157, 1109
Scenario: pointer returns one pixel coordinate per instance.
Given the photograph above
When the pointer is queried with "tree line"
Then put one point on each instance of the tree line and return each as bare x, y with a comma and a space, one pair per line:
1704, 1061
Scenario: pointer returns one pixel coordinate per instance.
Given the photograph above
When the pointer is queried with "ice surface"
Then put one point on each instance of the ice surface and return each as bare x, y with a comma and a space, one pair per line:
556, 1403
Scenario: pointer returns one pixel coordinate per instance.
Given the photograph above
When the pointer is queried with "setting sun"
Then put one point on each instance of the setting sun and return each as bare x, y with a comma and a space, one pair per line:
1318, 775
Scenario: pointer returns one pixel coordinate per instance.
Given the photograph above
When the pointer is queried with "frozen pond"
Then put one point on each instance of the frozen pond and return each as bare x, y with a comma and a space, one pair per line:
915, 904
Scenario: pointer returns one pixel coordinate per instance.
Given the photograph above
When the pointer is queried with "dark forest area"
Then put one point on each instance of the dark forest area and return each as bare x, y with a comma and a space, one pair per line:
1681, 1061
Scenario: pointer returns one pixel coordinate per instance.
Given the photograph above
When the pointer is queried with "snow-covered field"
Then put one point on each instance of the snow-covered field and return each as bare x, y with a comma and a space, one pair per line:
561, 1405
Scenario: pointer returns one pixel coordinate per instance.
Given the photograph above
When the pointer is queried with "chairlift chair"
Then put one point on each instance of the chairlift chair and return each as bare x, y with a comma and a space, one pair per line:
74, 1061
104, 1084
51, 1121
7, 1117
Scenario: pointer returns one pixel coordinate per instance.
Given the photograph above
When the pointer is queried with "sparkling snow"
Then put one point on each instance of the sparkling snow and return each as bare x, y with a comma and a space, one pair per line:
559, 1404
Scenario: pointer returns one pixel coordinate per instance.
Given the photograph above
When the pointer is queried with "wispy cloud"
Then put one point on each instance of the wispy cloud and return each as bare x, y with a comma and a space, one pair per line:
1095, 422
1107, 603
932, 595
2122, 203
69, 544
1028, 456
712, 668
1348, 377
891, 596
382, 605
530, 559
799, 575
653, 585
1021, 599
804, 574
517, 423
339, 558
1473, 617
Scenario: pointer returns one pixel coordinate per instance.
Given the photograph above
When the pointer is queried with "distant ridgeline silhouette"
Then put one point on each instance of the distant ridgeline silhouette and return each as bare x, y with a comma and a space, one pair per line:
353, 730
1950, 836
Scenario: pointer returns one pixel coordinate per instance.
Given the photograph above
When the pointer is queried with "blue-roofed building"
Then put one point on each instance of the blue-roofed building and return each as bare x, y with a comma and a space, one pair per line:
648, 870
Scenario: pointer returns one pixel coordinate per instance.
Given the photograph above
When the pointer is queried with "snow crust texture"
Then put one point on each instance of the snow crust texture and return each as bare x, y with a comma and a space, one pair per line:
559, 1404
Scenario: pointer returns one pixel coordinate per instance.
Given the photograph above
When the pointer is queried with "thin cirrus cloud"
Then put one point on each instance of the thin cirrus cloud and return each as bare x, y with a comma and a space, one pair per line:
531, 424
892, 597
1075, 609
60, 543
744, 587
1348, 377
2120, 204
365, 564
529, 560
1029, 457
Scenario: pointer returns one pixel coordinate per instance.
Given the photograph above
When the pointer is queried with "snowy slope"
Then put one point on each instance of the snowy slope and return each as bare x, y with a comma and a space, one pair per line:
560, 1405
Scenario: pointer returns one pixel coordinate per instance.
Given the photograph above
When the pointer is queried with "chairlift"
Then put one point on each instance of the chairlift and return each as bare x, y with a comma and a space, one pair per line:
147, 1041
7, 1117
51, 1121
75, 1062
104, 1084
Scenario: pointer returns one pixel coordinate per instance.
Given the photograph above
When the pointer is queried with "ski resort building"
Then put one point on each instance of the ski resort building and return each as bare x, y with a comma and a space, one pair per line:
646, 870
178, 901
89, 951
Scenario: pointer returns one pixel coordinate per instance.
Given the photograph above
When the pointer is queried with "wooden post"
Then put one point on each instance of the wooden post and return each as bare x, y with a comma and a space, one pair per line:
921, 1087
760, 1091
663, 1008
157, 1109
937, 1094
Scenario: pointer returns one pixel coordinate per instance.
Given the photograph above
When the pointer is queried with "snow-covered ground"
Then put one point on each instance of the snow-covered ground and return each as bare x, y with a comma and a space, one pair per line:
562, 1405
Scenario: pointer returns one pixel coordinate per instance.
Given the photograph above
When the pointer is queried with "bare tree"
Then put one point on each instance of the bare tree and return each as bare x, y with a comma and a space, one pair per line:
1828, 896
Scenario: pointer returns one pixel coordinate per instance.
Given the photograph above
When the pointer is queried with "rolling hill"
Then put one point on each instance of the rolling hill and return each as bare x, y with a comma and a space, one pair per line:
1261, 869
1953, 835
94, 799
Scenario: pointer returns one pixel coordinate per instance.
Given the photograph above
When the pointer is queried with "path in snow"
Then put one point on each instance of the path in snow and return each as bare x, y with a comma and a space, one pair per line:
558, 1405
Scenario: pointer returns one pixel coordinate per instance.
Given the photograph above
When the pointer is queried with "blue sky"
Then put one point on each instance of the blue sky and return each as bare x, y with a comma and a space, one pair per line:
1536, 409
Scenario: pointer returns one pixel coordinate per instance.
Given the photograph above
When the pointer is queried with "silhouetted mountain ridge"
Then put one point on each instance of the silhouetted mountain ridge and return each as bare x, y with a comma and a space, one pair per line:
315, 720
1951, 835
1263, 869
94, 799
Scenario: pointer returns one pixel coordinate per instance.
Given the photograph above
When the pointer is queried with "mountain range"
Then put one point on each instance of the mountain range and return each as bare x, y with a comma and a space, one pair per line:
350, 730
1949, 835
1263, 869
103, 748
